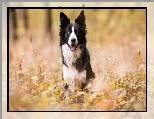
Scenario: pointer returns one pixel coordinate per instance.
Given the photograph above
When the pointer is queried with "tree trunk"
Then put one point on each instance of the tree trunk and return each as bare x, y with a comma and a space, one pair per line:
13, 20
48, 23
25, 18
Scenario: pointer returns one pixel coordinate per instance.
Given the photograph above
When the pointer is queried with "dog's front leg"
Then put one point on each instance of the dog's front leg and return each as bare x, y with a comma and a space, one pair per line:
68, 88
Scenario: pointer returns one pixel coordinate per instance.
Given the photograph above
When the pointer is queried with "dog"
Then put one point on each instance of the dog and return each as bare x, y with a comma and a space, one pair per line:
77, 70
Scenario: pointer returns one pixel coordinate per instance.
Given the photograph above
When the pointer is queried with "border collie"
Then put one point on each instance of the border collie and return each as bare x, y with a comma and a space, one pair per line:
77, 71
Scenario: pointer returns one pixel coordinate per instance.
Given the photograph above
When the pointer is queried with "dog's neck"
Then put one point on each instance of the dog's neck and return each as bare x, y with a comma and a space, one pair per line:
70, 57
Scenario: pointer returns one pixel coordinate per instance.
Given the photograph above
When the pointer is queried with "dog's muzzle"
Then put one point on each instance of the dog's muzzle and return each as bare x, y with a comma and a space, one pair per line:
73, 45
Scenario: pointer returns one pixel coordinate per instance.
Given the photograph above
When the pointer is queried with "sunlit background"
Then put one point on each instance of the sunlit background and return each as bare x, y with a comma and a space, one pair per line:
113, 34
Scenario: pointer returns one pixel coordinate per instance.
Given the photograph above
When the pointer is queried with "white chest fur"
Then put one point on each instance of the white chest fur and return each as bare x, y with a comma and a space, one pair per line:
70, 56
70, 73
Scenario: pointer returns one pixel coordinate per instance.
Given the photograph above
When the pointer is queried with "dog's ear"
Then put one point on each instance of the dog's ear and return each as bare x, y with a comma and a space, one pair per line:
81, 19
64, 19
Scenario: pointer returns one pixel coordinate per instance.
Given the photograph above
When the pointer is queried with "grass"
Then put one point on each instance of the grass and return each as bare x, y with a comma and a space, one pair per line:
118, 59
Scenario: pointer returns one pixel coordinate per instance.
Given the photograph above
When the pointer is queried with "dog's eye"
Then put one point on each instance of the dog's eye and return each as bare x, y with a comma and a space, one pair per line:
68, 32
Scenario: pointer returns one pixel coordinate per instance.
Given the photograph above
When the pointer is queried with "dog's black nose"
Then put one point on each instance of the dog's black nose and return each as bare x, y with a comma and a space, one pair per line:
73, 40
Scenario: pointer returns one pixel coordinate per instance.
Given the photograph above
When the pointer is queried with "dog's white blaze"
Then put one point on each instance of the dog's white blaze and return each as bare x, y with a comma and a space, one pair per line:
72, 35
70, 73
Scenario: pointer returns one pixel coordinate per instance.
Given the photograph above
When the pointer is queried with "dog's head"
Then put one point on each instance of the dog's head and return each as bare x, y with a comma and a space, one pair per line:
72, 34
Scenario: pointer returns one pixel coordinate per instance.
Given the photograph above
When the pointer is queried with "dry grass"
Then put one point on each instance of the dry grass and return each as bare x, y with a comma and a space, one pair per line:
118, 58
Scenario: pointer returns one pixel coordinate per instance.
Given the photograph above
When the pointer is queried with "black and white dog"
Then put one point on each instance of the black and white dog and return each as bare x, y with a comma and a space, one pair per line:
77, 70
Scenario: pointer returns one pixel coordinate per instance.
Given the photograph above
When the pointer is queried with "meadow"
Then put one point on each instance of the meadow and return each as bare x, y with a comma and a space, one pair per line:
116, 41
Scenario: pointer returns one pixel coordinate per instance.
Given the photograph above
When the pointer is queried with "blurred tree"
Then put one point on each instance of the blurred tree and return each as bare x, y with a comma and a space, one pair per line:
48, 21
13, 21
25, 18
